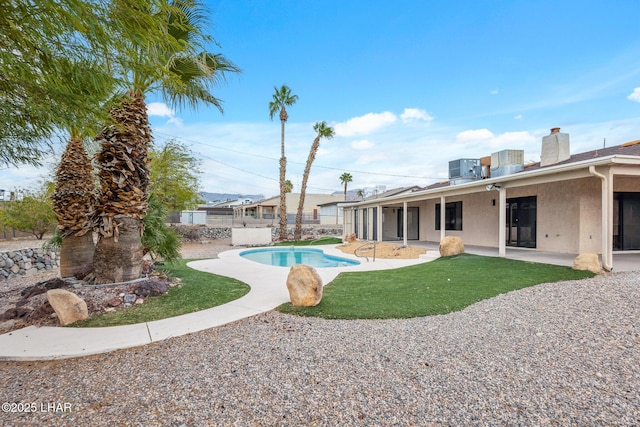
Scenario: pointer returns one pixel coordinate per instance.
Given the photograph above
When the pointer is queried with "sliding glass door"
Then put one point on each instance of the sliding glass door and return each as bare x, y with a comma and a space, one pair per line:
626, 226
521, 222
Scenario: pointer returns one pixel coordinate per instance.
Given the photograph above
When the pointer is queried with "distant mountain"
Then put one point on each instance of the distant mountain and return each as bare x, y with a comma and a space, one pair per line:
223, 197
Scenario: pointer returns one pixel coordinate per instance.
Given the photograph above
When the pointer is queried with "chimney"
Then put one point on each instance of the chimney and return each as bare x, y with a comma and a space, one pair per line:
555, 148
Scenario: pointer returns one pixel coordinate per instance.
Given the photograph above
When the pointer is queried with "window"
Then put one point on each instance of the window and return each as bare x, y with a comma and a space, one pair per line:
453, 216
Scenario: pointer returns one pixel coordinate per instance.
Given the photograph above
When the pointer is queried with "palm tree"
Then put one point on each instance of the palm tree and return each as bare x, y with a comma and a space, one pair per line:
322, 131
282, 98
73, 202
179, 68
74, 196
288, 186
345, 178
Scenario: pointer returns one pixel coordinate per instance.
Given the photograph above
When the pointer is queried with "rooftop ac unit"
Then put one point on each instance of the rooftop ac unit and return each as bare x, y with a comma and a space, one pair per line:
464, 170
506, 162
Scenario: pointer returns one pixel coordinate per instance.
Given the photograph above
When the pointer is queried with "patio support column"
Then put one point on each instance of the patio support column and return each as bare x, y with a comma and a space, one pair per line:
404, 223
607, 217
502, 221
443, 222
379, 224
345, 232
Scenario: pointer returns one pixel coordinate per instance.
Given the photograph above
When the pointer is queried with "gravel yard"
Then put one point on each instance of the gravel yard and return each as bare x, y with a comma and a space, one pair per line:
554, 354
10, 289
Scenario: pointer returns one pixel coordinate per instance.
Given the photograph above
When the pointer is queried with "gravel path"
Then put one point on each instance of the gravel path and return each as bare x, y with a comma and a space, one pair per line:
555, 354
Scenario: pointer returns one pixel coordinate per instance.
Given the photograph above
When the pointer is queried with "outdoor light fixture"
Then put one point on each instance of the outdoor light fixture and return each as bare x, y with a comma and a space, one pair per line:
496, 187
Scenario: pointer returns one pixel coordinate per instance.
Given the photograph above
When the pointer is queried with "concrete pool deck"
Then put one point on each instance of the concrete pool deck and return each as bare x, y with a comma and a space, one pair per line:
268, 290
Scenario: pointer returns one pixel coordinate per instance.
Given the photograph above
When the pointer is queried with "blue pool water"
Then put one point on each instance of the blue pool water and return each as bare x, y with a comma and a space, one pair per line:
288, 256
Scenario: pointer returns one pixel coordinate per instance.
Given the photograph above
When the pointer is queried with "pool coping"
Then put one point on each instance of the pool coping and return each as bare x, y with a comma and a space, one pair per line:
268, 290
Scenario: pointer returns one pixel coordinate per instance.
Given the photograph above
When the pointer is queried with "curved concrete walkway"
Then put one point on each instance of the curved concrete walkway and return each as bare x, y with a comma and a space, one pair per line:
268, 290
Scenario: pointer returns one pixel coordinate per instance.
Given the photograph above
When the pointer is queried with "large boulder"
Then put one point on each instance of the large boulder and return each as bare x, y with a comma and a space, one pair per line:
587, 261
68, 306
451, 245
305, 286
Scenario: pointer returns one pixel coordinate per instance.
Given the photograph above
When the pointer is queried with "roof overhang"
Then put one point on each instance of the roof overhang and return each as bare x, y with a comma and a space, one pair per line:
537, 176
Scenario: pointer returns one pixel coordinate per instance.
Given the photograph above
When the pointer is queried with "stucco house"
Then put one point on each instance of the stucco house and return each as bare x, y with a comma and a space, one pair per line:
269, 208
587, 202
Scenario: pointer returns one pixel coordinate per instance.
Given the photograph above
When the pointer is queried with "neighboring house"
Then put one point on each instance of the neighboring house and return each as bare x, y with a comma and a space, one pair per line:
588, 202
332, 212
269, 208
231, 203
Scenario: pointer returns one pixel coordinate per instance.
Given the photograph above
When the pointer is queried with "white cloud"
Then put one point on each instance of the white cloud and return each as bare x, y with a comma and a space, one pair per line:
474, 135
364, 124
494, 91
361, 144
160, 109
635, 96
414, 114
518, 117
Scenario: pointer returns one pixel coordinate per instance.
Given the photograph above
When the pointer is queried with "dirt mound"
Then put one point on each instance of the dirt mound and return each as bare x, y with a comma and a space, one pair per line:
384, 250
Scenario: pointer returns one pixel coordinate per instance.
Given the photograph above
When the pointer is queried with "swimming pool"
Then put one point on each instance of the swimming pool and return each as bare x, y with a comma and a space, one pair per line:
288, 256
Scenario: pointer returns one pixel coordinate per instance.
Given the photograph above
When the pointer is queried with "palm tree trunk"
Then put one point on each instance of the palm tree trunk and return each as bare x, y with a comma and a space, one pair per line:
118, 258
73, 202
283, 192
297, 235
122, 203
76, 252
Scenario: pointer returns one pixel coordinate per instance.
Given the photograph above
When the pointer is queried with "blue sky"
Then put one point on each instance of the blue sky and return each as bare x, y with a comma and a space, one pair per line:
408, 86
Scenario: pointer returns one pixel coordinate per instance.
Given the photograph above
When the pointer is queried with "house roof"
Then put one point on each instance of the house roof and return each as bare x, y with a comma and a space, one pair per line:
631, 148
393, 192
577, 161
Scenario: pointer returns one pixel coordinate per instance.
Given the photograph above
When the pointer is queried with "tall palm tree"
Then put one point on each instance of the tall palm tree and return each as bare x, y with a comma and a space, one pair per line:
180, 69
282, 98
322, 131
74, 196
345, 178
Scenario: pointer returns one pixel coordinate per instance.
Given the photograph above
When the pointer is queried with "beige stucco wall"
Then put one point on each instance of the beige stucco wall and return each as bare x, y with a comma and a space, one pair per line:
479, 219
626, 184
568, 216
311, 201
568, 220
331, 215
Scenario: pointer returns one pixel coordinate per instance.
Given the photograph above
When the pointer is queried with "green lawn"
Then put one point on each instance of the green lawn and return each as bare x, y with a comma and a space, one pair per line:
437, 287
199, 291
